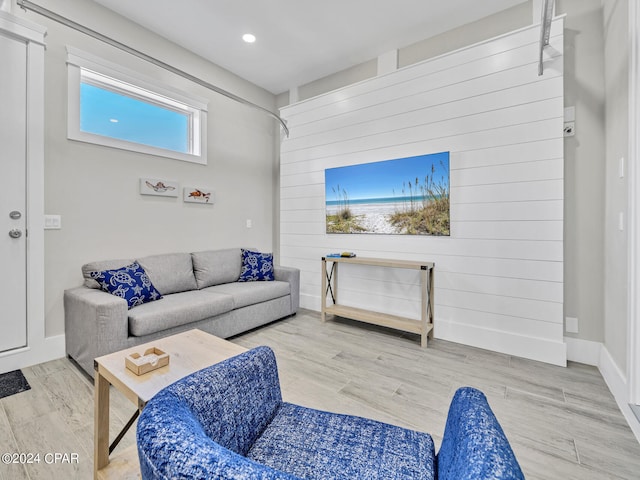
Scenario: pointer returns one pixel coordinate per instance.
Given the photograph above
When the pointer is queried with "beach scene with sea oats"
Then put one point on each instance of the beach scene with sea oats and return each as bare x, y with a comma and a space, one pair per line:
405, 196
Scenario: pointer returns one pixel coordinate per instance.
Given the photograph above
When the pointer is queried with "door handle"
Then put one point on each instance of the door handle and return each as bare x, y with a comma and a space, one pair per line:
15, 233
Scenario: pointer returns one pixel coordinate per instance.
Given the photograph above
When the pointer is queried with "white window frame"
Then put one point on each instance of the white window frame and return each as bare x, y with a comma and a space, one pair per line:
123, 81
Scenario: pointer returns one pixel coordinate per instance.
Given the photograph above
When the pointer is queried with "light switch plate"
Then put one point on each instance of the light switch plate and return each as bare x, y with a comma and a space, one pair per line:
52, 222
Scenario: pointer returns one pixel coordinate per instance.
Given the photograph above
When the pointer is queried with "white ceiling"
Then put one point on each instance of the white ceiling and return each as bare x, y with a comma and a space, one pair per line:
299, 41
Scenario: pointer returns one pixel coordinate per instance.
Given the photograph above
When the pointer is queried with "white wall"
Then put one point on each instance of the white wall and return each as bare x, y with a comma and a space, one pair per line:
584, 167
95, 188
492, 26
617, 124
499, 277
584, 153
489, 27
619, 323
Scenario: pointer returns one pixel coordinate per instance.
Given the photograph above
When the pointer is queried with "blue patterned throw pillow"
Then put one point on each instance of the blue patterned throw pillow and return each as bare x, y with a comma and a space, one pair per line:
130, 282
256, 266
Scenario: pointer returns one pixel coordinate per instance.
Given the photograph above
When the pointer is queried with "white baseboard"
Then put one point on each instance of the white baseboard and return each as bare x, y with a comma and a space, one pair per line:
533, 348
310, 302
583, 351
49, 349
596, 354
616, 380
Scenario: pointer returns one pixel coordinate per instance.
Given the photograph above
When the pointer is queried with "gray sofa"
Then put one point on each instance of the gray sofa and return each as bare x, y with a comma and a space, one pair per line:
200, 290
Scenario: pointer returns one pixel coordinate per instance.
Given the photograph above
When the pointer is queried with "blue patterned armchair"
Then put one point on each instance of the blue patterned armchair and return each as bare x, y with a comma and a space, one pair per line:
228, 421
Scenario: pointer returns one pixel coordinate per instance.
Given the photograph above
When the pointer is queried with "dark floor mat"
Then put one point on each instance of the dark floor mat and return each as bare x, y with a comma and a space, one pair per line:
12, 383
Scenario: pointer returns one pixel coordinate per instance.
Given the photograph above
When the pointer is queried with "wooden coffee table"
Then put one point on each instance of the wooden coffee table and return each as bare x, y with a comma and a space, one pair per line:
189, 352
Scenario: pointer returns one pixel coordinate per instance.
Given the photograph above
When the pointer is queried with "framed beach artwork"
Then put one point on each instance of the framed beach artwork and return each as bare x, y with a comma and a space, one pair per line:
403, 196
199, 194
154, 186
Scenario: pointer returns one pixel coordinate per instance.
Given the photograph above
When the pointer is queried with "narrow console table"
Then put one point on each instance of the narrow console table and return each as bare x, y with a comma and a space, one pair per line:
423, 327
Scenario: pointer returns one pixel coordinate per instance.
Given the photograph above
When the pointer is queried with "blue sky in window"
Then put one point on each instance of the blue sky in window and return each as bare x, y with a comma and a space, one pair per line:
388, 178
106, 113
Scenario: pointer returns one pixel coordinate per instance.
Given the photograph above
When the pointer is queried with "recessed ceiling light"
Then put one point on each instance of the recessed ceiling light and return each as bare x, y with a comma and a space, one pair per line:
249, 38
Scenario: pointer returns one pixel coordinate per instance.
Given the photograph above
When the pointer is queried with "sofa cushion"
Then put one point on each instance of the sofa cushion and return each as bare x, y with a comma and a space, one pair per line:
177, 309
256, 266
214, 267
130, 283
313, 444
170, 273
245, 294
88, 268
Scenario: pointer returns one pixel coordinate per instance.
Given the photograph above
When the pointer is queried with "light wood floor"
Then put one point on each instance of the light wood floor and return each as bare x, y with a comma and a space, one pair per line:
563, 423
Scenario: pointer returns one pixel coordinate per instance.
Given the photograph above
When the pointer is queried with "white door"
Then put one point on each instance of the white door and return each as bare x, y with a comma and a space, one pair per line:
13, 168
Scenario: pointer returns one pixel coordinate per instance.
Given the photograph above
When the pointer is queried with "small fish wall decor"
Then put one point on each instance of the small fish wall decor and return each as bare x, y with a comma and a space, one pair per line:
198, 195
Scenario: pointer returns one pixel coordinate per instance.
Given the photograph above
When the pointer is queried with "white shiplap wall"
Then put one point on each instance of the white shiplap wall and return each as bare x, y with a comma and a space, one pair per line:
499, 276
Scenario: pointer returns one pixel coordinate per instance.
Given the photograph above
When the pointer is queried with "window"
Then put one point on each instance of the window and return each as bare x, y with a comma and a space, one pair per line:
112, 109
116, 108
